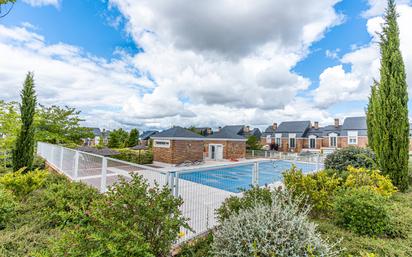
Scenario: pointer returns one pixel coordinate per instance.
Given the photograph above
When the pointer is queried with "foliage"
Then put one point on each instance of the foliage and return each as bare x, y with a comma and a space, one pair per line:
39, 163
133, 138
21, 183
9, 124
280, 228
388, 106
253, 143
7, 1
117, 138
130, 220
200, 247
135, 156
318, 188
7, 206
350, 156
370, 179
362, 211
60, 125
43, 213
23, 151
234, 204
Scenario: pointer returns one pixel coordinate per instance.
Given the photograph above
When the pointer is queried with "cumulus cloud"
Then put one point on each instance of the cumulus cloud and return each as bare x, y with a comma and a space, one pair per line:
36, 3
337, 85
221, 55
63, 74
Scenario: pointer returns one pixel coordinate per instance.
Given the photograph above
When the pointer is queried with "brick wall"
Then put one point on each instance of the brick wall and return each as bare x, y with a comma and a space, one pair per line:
179, 151
231, 149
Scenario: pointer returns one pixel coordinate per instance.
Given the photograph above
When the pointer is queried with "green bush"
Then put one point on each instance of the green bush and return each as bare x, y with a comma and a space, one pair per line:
362, 211
7, 206
371, 179
134, 156
38, 163
234, 204
200, 247
130, 220
280, 228
23, 183
318, 188
351, 156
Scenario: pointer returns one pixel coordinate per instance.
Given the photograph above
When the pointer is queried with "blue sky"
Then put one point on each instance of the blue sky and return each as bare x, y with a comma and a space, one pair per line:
166, 67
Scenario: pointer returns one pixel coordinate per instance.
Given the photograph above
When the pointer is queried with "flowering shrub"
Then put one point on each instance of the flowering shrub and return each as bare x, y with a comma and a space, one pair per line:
371, 179
318, 188
280, 228
234, 204
23, 183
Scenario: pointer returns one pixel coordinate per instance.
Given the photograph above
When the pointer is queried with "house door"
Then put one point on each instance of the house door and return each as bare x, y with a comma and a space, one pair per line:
216, 152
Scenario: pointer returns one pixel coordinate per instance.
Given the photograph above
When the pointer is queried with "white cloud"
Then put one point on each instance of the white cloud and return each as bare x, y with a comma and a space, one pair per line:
36, 3
337, 85
214, 57
377, 7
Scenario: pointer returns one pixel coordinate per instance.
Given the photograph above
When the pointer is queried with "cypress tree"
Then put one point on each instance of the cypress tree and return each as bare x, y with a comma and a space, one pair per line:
133, 138
389, 105
370, 117
23, 152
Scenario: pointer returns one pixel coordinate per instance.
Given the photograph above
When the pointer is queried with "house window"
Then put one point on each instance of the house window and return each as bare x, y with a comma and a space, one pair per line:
161, 143
352, 137
312, 142
268, 139
333, 139
278, 139
292, 140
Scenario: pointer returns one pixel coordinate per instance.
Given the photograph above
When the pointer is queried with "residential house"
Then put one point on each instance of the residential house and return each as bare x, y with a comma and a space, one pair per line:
225, 144
205, 131
97, 136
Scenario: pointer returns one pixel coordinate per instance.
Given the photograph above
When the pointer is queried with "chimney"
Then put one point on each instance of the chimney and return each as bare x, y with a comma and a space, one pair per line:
246, 129
274, 126
316, 126
336, 123
208, 131
219, 129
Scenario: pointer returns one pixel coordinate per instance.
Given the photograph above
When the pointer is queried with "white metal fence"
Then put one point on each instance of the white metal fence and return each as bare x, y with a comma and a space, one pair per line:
202, 188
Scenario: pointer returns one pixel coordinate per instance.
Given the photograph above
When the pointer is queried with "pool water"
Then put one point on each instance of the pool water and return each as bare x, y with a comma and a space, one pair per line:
235, 179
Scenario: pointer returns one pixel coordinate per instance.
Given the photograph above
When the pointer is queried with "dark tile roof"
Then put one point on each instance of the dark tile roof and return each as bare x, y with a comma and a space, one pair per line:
226, 134
297, 127
97, 132
355, 123
234, 129
177, 132
147, 134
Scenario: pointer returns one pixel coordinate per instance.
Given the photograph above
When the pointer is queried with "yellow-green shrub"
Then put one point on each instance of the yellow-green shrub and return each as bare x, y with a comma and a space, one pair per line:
319, 188
23, 183
372, 179
7, 206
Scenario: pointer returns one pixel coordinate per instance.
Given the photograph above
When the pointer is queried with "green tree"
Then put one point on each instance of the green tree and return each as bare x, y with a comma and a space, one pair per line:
9, 124
117, 138
389, 124
6, 11
133, 138
23, 153
370, 114
57, 125
253, 143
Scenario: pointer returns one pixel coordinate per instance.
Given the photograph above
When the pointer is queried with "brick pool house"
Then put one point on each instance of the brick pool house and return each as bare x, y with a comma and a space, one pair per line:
177, 145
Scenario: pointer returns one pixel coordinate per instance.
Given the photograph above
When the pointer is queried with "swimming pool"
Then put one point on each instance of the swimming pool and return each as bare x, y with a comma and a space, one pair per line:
234, 179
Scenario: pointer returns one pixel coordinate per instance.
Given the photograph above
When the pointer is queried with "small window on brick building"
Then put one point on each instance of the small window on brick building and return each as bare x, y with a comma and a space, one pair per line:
312, 142
333, 140
352, 137
278, 139
161, 143
292, 140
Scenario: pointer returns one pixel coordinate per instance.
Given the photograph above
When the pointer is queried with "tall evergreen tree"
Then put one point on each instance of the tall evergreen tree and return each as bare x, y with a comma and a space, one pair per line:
390, 124
133, 138
370, 114
23, 152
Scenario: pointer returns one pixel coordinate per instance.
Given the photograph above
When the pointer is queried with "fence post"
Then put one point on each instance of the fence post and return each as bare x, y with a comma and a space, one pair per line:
61, 158
176, 191
76, 165
317, 161
103, 183
255, 174
253, 153
266, 154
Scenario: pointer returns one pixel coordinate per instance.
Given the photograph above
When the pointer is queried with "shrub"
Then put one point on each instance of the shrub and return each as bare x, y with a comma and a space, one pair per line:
23, 183
318, 188
351, 156
38, 163
130, 220
139, 157
200, 247
362, 211
234, 204
372, 179
7, 206
280, 228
